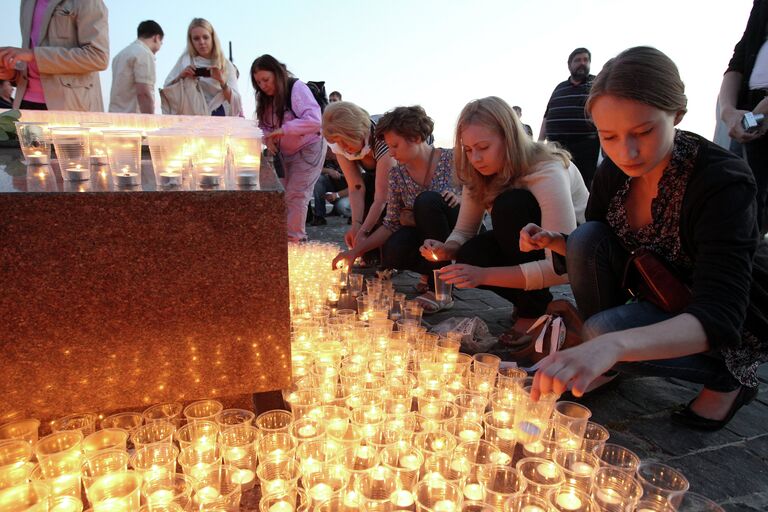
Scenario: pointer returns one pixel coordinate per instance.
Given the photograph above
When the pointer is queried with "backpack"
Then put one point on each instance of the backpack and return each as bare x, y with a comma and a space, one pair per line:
316, 88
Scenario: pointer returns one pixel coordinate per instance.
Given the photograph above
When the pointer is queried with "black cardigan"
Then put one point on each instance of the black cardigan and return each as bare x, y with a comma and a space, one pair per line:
718, 231
745, 52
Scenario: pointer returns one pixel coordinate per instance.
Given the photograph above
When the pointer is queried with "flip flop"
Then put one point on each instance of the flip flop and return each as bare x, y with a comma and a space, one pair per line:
431, 305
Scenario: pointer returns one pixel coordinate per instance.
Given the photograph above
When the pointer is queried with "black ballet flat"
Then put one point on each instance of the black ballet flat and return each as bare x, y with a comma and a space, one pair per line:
686, 417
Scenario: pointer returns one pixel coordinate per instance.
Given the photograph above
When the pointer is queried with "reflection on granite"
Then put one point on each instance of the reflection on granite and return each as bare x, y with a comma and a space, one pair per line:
114, 300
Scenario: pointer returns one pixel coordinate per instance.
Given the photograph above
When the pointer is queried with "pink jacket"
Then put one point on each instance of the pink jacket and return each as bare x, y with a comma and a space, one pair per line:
301, 129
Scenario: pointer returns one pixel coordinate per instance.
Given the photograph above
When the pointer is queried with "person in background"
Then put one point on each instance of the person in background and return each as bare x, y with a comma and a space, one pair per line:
334, 97
423, 198
564, 120
6, 94
289, 115
133, 72
65, 45
745, 89
693, 204
365, 162
204, 60
520, 181
328, 186
526, 127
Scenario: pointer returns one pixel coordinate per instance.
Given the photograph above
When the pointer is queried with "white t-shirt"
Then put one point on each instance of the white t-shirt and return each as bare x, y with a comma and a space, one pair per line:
562, 198
134, 65
759, 77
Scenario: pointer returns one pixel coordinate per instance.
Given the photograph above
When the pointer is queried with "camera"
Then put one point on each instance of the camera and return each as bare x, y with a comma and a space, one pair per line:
751, 122
204, 72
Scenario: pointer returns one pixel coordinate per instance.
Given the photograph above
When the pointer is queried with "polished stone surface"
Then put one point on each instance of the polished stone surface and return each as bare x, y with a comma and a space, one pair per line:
121, 299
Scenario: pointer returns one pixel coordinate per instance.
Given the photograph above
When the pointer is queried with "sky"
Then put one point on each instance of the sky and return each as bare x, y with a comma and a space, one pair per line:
441, 53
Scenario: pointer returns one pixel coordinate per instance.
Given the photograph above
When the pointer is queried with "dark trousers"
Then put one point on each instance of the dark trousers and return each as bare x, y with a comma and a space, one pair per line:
434, 220
596, 261
500, 247
757, 158
324, 185
31, 105
585, 151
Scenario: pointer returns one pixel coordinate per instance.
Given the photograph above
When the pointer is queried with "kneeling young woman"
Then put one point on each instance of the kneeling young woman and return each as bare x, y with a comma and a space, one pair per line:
692, 204
519, 181
423, 196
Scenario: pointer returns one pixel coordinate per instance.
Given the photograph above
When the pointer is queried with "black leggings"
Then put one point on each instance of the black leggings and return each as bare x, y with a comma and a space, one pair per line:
435, 220
500, 247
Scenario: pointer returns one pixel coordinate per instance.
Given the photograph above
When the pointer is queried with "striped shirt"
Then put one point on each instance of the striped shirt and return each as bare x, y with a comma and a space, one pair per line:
565, 114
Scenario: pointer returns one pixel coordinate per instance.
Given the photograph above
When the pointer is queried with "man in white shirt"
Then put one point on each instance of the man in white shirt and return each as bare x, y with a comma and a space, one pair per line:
133, 72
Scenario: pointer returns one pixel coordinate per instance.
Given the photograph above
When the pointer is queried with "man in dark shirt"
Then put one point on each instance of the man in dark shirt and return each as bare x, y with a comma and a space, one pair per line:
566, 122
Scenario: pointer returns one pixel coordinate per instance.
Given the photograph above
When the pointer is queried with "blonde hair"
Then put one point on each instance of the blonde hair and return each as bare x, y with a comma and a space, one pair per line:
521, 153
346, 121
217, 56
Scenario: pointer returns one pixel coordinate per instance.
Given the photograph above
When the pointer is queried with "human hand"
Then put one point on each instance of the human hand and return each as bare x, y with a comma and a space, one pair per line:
187, 72
344, 258
277, 134
10, 55
217, 75
349, 236
451, 198
463, 276
407, 218
333, 173
578, 367
271, 146
7, 74
732, 118
434, 250
534, 238
331, 197
360, 236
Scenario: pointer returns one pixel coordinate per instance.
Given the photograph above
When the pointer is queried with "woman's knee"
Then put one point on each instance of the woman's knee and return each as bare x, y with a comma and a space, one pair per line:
515, 206
427, 202
585, 241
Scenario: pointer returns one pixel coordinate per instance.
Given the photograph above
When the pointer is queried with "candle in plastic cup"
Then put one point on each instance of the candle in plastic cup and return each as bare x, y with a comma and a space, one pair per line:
202, 410
106, 439
442, 289
26, 429
662, 480
155, 460
169, 411
116, 492
159, 431
218, 487
30, 497
102, 463
128, 421
176, 488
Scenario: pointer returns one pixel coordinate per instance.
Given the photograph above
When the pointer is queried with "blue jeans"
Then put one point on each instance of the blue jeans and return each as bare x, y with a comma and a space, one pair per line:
596, 261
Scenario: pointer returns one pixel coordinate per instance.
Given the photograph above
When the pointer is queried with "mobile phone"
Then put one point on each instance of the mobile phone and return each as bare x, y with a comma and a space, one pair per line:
751, 122
205, 72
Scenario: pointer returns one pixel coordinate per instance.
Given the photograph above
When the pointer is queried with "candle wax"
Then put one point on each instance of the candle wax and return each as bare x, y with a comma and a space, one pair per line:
444, 506
547, 470
207, 494
161, 496
609, 496
410, 462
243, 476
582, 468
568, 501
532, 508
281, 506
170, 179
321, 492
127, 179
209, 179
506, 434
247, 179
401, 498
76, 174
307, 431
469, 435
473, 492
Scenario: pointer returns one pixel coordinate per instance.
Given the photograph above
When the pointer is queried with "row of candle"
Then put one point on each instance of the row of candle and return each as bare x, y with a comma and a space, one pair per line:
206, 159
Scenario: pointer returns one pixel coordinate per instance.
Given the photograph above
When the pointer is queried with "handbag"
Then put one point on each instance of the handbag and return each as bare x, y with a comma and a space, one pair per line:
184, 98
648, 277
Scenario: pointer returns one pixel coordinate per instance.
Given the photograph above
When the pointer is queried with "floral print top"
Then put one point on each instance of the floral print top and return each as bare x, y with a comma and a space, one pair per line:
403, 189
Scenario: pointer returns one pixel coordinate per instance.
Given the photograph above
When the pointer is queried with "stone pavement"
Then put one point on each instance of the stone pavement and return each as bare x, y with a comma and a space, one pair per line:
729, 466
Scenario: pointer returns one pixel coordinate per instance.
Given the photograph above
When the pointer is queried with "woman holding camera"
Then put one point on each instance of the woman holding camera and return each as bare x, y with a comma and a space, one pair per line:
204, 61
691, 205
